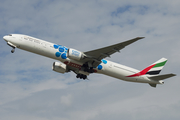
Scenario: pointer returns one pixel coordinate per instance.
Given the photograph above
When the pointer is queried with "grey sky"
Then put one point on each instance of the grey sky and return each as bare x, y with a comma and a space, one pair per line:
31, 90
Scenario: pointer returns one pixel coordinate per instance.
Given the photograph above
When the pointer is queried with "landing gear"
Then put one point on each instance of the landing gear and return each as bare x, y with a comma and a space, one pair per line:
11, 45
81, 76
89, 70
86, 68
13, 50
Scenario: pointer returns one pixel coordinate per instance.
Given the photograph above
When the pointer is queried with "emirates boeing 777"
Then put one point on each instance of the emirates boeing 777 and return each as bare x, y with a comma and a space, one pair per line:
86, 63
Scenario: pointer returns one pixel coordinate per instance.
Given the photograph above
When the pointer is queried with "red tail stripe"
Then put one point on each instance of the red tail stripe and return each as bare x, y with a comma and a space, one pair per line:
143, 72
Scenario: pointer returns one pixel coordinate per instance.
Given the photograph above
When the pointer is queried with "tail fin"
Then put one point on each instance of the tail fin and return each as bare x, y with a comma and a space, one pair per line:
156, 67
152, 72
153, 69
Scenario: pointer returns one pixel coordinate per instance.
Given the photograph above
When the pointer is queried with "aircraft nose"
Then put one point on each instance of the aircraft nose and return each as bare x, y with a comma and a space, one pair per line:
5, 38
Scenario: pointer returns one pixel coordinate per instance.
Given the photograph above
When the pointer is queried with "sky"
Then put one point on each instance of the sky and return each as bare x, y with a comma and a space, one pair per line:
30, 90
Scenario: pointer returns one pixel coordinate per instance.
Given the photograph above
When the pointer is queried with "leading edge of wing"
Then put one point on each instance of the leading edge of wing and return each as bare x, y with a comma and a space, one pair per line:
109, 50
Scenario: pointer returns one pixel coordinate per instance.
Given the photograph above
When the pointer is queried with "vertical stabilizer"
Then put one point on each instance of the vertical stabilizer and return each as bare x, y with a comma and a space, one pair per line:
153, 69
156, 67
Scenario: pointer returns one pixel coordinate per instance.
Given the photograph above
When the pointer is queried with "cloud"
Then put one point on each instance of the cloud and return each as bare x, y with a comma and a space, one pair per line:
66, 100
31, 90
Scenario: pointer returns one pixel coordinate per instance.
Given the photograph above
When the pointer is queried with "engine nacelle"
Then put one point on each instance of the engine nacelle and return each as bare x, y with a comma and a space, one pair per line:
161, 82
59, 67
75, 54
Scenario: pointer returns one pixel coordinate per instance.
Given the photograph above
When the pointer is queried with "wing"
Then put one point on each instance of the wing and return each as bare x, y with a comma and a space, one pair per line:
107, 51
97, 55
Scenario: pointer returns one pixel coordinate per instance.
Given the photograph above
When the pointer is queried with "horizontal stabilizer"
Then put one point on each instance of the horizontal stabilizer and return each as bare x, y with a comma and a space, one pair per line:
161, 77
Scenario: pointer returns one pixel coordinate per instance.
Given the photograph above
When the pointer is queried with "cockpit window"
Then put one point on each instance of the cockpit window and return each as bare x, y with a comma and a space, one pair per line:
10, 35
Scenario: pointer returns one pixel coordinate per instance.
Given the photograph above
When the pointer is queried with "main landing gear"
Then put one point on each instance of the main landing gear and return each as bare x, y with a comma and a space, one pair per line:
81, 76
89, 70
86, 68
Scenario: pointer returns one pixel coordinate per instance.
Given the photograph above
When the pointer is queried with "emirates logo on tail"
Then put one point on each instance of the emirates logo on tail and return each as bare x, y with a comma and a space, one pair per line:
153, 69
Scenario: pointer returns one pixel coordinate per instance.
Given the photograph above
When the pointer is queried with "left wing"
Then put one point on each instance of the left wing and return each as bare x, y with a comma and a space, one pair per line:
99, 54
107, 51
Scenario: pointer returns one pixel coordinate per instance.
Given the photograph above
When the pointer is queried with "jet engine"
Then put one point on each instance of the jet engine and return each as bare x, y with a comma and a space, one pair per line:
59, 67
161, 82
75, 54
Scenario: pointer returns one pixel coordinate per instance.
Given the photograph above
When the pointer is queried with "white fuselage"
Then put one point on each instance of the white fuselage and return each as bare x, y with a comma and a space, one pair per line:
48, 49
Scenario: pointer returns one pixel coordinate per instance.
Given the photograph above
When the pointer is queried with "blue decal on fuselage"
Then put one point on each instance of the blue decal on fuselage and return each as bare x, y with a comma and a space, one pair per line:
99, 67
63, 56
57, 54
61, 51
56, 46
104, 61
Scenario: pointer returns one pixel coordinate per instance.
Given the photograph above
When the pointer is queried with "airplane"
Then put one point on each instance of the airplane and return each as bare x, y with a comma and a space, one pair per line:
86, 63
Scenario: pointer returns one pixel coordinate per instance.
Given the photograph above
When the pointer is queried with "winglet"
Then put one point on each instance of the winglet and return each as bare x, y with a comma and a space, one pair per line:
140, 37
